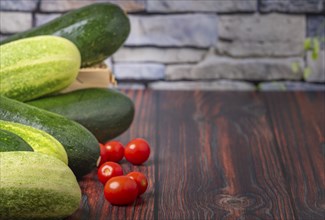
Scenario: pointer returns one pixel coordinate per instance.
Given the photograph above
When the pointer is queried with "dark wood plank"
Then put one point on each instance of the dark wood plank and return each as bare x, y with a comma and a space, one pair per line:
221, 155
94, 205
299, 126
217, 159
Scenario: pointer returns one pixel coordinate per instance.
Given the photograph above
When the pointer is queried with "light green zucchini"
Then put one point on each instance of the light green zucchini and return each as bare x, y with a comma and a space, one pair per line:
36, 186
39, 140
37, 66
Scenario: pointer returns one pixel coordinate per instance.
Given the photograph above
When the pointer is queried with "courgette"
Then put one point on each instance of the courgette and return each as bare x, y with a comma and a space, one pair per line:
98, 30
11, 142
105, 112
39, 140
81, 146
37, 66
36, 186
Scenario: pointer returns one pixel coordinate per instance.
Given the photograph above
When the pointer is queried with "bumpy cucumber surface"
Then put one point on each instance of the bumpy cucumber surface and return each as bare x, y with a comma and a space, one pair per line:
11, 142
39, 140
107, 113
36, 186
80, 144
98, 30
37, 66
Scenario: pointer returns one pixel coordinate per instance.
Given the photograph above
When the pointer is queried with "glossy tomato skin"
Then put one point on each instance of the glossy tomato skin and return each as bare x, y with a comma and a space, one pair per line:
111, 151
108, 170
137, 151
141, 181
121, 190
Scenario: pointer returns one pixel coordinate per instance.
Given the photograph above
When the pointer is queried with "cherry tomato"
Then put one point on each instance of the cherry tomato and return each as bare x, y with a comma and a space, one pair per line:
137, 151
108, 170
141, 181
111, 151
121, 190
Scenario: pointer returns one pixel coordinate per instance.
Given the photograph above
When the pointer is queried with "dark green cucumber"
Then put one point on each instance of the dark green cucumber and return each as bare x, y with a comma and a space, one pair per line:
98, 30
11, 142
81, 146
106, 113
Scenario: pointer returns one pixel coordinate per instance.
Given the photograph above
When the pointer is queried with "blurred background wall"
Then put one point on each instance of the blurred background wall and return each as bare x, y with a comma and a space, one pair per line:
205, 44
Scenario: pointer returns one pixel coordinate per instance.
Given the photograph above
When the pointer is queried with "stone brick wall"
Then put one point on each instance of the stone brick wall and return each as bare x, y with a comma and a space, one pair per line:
205, 44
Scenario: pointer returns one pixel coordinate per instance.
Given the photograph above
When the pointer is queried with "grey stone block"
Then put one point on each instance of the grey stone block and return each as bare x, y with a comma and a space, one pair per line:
13, 22
44, 18
203, 85
317, 67
294, 6
261, 35
201, 6
180, 71
136, 71
260, 49
290, 86
160, 55
109, 63
245, 69
196, 30
67, 5
316, 27
124, 85
18, 5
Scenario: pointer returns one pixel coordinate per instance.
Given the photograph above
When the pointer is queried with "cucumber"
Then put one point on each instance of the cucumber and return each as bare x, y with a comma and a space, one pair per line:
37, 66
98, 30
81, 146
35, 185
39, 140
105, 112
12, 142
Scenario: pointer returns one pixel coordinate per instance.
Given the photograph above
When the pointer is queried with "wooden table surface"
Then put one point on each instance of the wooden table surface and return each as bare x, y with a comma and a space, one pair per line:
223, 155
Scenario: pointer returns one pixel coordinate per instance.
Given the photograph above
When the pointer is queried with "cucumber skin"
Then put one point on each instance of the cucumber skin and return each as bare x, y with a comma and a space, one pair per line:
11, 142
39, 140
107, 113
46, 64
36, 186
81, 146
98, 30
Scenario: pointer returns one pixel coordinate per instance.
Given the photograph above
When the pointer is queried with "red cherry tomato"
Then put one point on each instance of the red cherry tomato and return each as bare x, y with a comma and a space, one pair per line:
141, 181
111, 151
137, 151
108, 170
121, 190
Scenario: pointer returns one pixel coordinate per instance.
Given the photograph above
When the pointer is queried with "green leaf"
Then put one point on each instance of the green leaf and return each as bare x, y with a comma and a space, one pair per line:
307, 44
316, 48
295, 67
307, 72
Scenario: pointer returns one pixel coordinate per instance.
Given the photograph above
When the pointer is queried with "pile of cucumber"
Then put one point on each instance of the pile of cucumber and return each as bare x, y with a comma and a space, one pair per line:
50, 140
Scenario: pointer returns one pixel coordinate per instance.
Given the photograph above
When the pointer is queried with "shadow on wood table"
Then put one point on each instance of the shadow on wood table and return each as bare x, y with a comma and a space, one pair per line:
223, 155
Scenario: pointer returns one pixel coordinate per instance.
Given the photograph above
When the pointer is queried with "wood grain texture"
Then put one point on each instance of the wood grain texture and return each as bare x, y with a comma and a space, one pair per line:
299, 126
223, 155
94, 205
